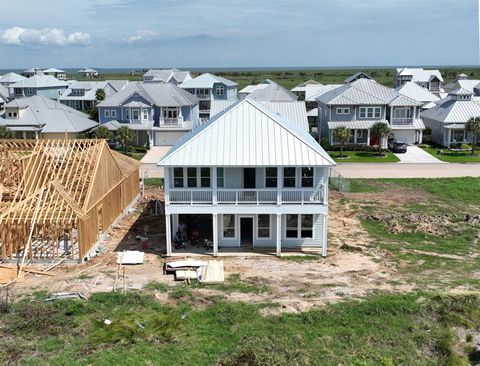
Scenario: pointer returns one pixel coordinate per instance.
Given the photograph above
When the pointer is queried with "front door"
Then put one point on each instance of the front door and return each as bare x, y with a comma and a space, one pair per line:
248, 177
246, 231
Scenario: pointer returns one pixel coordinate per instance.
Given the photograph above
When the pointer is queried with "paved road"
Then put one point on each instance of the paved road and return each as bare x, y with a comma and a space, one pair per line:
397, 170
416, 155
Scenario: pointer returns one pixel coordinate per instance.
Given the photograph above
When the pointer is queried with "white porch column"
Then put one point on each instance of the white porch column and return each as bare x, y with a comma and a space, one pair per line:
168, 233
279, 185
214, 185
368, 137
166, 184
324, 239
215, 235
355, 137
279, 235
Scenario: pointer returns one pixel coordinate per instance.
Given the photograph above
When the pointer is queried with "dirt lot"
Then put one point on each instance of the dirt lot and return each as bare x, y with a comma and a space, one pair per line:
296, 283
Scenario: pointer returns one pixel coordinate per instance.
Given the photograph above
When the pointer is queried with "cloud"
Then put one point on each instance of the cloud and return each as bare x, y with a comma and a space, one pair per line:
142, 36
44, 36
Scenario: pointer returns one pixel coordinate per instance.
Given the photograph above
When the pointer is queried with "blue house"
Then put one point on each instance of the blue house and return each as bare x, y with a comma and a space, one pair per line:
208, 87
361, 104
43, 85
159, 113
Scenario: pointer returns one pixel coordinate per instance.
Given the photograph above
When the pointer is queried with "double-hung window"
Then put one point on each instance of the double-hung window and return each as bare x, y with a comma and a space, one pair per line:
263, 226
178, 177
289, 180
135, 114
343, 110
219, 90
299, 227
191, 177
292, 226
307, 177
229, 226
271, 177
306, 228
220, 177
127, 114
145, 113
205, 177
113, 113
370, 112
107, 113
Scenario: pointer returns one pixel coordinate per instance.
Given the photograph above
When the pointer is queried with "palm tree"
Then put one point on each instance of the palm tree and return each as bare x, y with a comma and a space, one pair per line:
125, 136
100, 95
381, 130
102, 132
6, 133
342, 135
473, 128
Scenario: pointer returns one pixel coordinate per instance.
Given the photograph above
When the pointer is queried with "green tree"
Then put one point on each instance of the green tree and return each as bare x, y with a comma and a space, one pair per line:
101, 132
473, 128
381, 130
100, 95
342, 135
6, 133
125, 136
93, 114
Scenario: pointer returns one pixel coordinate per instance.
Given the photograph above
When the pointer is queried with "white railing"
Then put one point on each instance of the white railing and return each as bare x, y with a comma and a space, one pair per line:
402, 121
203, 96
246, 196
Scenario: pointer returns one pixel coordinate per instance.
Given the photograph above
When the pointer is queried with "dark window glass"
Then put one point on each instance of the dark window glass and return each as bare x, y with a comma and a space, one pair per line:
307, 226
263, 226
307, 177
271, 177
178, 177
289, 177
292, 226
220, 178
191, 177
205, 177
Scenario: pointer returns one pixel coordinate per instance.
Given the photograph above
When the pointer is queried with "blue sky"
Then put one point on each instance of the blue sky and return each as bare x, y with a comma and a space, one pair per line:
234, 33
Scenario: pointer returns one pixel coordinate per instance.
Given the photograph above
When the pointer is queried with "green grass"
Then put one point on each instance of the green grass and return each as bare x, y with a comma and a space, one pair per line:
234, 283
155, 182
363, 157
454, 156
300, 258
413, 329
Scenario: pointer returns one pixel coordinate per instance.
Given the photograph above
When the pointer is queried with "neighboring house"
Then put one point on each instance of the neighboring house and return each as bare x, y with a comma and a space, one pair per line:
357, 76
42, 117
273, 92
173, 76
300, 89
248, 179
158, 113
4, 96
295, 111
251, 88
46, 85
430, 79
10, 78
28, 73
363, 103
81, 95
447, 120
208, 87
88, 73
59, 74
419, 93
462, 82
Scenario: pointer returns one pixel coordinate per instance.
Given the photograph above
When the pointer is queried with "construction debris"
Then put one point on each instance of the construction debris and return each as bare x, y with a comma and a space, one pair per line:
130, 257
65, 296
204, 272
211, 273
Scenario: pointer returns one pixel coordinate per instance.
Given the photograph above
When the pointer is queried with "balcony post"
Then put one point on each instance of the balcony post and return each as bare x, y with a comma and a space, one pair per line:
214, 185
168, 234
279, 185
166, 184
324, 238
215, 234
279, 235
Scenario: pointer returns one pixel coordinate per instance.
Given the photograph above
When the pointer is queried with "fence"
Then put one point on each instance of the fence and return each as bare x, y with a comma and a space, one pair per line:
339, 183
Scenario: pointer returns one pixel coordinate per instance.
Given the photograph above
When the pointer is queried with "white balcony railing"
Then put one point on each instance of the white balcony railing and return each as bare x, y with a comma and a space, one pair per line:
402, 121
246, 196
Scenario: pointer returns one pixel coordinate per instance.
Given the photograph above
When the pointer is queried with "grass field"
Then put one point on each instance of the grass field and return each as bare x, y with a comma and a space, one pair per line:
415, 329
454, 156
291, 78
363, 157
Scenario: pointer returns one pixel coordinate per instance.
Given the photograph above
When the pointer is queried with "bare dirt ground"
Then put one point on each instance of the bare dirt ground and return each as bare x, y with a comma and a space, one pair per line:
351, 269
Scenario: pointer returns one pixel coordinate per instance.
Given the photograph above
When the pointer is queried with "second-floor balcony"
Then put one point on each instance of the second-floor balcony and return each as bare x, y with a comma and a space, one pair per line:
243, 196
177, 122
401, 121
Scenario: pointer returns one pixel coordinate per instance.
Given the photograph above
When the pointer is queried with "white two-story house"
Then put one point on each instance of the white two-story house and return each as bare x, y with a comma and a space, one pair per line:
208, 87
248, 179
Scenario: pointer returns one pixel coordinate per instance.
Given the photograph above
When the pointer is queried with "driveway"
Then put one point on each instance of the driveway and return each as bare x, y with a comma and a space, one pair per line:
150, 160
397, 170
416, 155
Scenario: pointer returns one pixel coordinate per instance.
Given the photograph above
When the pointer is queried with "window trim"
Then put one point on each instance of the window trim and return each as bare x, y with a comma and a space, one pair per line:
106, 113
313, 176
366, 111
182, 177
220, 177
343, 110
290, 177
269, 237
271, 177
113, 113
201, 177
217, 88
299, 227
234, 237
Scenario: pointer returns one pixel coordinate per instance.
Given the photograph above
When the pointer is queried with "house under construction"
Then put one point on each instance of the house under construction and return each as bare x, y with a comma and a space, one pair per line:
58, 196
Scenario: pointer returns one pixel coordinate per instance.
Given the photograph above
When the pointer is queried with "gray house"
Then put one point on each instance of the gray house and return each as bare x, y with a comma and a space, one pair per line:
447, 120
81, 95
10, 78
173, 76
430, 79
208, 87
159, 113
363, 103
45, 85
41, 117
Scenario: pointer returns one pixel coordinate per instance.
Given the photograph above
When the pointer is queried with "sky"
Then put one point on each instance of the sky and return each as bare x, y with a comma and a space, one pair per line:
234, 33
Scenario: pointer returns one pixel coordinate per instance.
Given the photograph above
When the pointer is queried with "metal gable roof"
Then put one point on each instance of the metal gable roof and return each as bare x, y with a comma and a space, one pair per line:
11, 77
420, 75
40, 81
302, 87
417, 92
294, 111
206, 81
247, 134
453, 111
402, 101
272, 92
